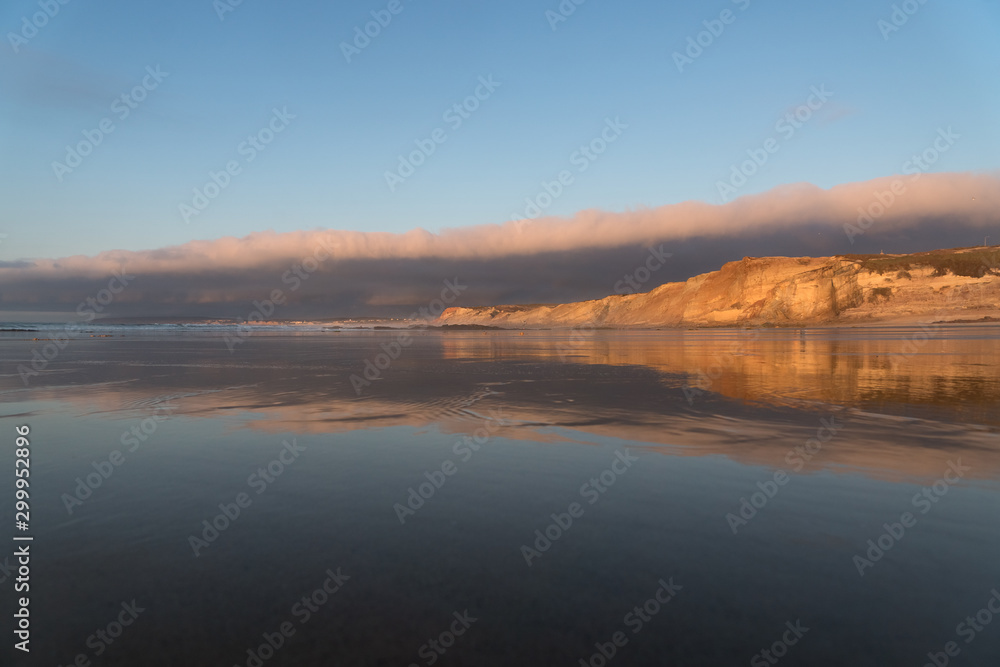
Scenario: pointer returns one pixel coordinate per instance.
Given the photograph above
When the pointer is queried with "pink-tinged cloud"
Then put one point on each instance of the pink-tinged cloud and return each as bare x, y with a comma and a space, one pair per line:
549, 259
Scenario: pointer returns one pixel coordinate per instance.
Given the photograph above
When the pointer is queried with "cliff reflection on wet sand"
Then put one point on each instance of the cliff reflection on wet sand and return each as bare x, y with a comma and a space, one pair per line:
954, 368
905, 406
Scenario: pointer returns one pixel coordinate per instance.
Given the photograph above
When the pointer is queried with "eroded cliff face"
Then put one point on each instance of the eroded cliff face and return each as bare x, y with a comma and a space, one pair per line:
785, 291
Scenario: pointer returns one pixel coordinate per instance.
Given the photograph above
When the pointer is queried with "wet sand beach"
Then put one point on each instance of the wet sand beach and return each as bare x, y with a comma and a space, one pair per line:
488, 498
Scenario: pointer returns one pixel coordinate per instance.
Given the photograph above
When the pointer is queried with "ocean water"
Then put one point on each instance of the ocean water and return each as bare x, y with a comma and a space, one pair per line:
295, 496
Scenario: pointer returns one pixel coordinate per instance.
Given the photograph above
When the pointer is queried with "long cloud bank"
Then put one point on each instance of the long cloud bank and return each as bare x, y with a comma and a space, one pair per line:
330, 273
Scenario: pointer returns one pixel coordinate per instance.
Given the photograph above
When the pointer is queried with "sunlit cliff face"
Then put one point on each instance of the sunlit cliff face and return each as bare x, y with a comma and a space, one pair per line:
783, 291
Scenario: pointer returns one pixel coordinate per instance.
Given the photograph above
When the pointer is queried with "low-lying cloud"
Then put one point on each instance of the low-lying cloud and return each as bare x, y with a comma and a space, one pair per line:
531, 261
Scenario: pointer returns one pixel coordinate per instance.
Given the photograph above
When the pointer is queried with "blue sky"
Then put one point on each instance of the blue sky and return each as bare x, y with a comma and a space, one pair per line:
557, 88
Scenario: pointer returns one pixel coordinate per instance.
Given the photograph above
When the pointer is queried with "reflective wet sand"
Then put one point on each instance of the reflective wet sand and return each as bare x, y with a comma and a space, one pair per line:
859, 421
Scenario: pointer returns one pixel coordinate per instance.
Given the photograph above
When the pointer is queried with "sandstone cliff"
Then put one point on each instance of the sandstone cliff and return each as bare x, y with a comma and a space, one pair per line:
959, 284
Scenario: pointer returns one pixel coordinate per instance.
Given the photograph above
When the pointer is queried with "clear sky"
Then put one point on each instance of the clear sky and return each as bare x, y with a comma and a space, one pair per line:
326, 168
